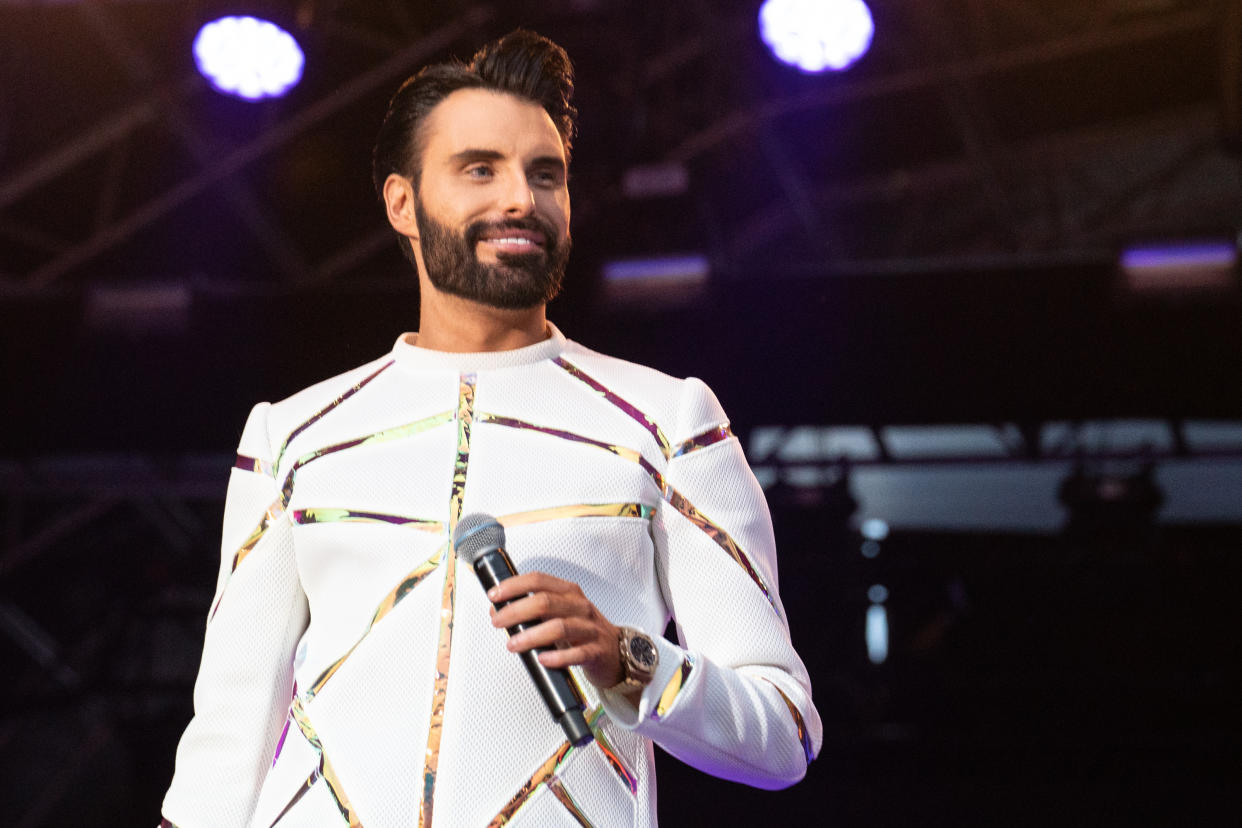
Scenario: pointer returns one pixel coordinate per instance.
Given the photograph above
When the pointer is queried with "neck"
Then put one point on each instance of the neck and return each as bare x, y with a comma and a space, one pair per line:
451, 323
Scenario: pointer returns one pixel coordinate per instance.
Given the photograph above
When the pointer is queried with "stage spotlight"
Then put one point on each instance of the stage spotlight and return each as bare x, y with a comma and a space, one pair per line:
248, 58
816, 35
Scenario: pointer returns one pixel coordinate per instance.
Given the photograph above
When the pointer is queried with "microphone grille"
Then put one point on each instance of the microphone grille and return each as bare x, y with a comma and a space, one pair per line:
476, 533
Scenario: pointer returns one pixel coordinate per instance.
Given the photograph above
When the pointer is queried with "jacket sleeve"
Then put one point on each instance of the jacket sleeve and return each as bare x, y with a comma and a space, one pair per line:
734, 700
245, 680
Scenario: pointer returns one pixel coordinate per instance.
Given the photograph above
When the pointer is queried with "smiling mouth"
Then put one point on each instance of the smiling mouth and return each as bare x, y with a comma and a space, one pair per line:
517, 237
514, 243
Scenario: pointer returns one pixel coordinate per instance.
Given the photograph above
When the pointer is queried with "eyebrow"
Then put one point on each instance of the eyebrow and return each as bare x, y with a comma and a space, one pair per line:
470, 156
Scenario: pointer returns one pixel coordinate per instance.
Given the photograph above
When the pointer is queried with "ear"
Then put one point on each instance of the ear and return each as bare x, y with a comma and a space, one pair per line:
399, 201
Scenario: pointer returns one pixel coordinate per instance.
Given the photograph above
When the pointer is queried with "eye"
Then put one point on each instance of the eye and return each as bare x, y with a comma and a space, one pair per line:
545, 178
479, 171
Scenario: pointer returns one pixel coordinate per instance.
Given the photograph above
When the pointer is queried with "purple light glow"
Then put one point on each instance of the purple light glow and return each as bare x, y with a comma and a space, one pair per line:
1188, 254
248, 58
816, 35
1180, 267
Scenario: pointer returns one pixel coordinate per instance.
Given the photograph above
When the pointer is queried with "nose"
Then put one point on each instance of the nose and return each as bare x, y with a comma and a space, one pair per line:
519, 197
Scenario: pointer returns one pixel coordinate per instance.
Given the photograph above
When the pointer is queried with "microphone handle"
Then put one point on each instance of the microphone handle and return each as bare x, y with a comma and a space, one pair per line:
559, 692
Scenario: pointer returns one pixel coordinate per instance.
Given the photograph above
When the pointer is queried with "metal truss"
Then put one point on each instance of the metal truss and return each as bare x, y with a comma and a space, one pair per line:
1044, 194
217, 170
1167, 178
1080, 190
103, 583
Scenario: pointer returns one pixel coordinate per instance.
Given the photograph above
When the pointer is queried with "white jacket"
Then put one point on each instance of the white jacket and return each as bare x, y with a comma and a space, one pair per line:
347, 642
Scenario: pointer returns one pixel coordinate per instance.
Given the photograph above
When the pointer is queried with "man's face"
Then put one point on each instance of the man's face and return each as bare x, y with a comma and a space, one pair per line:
493, 204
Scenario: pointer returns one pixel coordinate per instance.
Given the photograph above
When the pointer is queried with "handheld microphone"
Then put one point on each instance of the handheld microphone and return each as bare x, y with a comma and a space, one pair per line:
479, 540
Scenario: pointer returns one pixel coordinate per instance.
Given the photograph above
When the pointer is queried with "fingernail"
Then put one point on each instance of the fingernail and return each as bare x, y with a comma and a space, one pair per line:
493, 592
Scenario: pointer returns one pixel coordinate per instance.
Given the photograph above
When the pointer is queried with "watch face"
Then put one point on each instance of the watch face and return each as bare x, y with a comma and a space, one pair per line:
642, 651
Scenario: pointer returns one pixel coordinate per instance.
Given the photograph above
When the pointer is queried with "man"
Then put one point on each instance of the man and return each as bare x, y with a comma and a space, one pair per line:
353, 670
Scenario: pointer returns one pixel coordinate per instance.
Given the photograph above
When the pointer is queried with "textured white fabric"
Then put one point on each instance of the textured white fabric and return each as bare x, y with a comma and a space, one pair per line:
336, 574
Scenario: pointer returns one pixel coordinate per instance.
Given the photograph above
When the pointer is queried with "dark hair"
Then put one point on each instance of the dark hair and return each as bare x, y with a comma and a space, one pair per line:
521, 63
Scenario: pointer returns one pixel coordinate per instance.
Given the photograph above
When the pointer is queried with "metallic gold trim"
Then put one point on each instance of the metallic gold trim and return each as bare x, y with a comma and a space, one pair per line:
671, 495
302, 790
277, 508
627, 510
627, 776
557, 787
409, 582
386, 436
803, 735
273, 513
678, 501
633, 455
304, 517
338, 794
465, 418
673, 687
318, 415
390, 600
298, 712
630, 410
254, 464
552, 766
439, 691
541, 775
707, 438
444, 647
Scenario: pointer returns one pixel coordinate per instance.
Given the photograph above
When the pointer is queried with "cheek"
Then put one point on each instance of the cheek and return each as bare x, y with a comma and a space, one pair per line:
454, 205
555, 209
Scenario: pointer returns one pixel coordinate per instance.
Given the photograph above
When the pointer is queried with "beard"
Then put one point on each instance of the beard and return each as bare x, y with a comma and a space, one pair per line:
517, 281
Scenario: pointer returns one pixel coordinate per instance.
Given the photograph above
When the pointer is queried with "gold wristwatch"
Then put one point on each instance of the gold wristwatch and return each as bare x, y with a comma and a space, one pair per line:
639, 658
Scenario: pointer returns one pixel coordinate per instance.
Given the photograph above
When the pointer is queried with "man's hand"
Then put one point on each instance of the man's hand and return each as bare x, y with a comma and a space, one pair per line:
572, 629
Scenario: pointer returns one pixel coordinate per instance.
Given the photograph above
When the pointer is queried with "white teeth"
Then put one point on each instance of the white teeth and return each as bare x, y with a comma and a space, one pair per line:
508, 240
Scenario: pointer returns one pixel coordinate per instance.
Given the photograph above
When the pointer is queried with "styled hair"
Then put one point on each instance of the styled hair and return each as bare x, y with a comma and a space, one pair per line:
522, 63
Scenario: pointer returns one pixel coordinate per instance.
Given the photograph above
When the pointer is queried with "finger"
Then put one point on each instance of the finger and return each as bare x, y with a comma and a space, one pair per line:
548, 633
599, 669
530, 582
558, 632
569, 656
541, 606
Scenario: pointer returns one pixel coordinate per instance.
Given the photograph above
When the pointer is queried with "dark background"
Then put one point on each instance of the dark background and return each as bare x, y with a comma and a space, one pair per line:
929, 238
